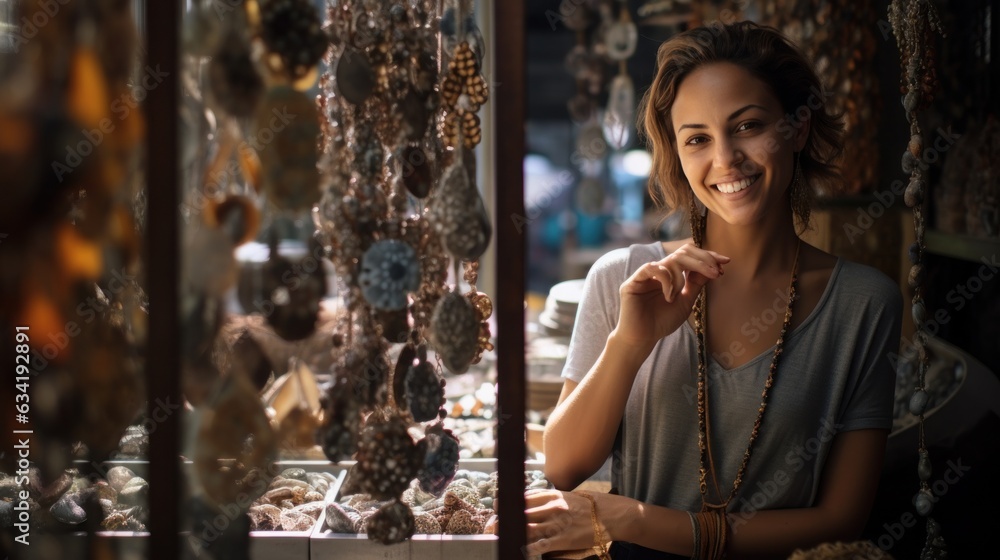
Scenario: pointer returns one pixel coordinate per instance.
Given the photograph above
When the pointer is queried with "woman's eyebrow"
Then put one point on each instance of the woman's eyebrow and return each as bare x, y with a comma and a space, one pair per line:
735, 114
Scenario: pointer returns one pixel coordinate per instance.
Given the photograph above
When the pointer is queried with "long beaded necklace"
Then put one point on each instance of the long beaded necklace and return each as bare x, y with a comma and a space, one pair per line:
704, 445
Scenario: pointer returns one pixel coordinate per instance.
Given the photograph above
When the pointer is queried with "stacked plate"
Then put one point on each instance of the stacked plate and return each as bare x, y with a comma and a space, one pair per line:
560, 308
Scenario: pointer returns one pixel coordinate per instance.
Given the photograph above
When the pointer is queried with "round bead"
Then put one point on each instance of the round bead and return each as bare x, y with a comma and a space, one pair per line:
919, 312
916, 277
916, 145
924, 502
959, 370
918, 402
908, 162
914, 194
924, 466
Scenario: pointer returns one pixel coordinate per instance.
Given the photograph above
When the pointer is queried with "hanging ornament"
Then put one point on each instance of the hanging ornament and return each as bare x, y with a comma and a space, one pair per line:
234, 438
463, 92
391, 523
441, 457
294, 291
355, 77
621, 37
417, 172
459, 215
234, 85
389, 270
424, 388
387, 460
913, 24
620, 114
338, 435
293, 35
484, 309
455, 332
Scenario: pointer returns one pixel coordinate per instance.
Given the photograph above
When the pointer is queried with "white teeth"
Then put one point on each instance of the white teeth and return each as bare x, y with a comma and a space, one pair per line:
737, 186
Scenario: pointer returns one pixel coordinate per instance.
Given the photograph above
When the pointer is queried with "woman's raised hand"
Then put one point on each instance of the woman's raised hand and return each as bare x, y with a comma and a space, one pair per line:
659, 296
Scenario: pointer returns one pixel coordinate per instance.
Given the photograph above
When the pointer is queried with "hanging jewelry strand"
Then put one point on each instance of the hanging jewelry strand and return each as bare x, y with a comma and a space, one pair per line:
914, 23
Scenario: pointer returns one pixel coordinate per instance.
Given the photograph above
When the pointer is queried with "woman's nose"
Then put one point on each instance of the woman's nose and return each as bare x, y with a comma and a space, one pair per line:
727, 154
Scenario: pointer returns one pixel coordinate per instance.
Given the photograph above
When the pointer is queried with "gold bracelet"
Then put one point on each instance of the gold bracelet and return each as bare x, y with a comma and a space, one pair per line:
599, 548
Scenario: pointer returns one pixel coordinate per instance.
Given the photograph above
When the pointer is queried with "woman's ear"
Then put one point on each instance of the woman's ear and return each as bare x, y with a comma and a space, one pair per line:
801, 135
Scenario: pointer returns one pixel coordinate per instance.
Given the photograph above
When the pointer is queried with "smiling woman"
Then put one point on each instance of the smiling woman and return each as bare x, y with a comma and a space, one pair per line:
776, 445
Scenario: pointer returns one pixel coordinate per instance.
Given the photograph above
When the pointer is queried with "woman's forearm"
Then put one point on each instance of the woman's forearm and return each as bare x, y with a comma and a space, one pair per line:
581, 430
759, 534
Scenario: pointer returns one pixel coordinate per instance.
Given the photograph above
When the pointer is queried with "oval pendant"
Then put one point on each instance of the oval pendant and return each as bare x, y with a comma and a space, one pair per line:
455, 332
355, 76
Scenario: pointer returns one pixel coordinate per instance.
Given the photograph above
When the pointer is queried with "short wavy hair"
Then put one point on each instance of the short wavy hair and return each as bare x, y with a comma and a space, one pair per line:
766, 54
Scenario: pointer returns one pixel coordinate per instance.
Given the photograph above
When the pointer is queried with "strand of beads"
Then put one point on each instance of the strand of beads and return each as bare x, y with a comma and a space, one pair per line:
914, 23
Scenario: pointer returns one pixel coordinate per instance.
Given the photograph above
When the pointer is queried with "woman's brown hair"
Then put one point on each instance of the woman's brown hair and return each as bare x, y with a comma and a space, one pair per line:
769, 56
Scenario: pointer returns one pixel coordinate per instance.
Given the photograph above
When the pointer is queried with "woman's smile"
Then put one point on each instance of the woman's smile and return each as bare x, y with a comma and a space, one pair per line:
737, 186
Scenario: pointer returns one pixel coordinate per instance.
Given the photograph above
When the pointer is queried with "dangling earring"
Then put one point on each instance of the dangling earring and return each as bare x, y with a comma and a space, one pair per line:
799, 193
697, 221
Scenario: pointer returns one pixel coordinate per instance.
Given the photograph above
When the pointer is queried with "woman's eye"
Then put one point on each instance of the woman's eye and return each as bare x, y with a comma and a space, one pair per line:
695, 140
747, 126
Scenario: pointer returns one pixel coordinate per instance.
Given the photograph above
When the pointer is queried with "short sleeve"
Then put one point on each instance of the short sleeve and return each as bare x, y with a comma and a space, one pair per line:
597, 313
868, 401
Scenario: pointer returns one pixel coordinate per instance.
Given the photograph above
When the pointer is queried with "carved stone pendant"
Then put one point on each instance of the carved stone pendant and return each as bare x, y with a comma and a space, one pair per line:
388, 459
389, 270
455, 331
391, 523
338, 435
459, 215
440, 460
424, 389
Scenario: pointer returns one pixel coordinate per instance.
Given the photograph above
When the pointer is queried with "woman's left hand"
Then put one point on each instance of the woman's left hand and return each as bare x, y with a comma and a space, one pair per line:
558, 521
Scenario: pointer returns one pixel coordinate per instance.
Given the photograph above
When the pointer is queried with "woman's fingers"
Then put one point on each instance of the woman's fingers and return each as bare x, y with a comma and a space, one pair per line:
671, 272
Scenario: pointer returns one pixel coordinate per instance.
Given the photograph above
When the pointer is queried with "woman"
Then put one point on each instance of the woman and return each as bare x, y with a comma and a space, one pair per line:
739, 380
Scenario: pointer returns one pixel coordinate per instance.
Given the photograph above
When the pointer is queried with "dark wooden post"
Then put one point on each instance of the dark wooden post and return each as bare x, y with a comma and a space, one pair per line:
509, 96
162, 275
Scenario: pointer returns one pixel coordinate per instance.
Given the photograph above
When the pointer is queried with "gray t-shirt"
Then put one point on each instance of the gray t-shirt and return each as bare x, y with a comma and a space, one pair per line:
834, 376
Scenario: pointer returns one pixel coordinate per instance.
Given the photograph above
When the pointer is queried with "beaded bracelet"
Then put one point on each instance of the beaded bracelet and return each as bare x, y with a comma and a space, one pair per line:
599, 548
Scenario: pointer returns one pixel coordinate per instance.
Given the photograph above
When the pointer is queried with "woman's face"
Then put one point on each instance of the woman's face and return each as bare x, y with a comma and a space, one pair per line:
735, 145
